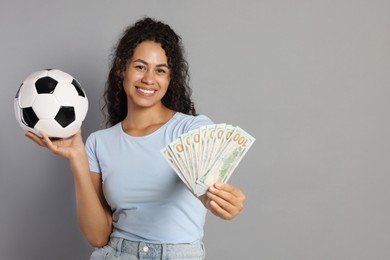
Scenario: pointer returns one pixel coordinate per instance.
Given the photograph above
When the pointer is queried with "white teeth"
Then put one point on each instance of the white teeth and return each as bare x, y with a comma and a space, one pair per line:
146, 91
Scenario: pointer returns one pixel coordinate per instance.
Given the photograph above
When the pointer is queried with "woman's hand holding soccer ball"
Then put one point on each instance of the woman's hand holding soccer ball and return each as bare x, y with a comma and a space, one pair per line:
69, 148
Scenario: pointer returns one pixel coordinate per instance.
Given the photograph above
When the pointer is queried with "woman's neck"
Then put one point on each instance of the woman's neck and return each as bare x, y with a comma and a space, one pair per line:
140, 122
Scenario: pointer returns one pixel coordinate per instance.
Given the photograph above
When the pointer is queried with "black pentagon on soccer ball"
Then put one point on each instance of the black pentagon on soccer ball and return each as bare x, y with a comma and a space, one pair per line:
29, 117
45, 85
78, 88
65, 116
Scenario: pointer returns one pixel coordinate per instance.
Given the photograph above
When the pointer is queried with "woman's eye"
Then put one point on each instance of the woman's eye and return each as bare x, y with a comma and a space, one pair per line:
140, 67
161, 71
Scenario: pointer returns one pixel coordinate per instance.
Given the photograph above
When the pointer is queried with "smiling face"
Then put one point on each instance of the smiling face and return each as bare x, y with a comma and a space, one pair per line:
147, 76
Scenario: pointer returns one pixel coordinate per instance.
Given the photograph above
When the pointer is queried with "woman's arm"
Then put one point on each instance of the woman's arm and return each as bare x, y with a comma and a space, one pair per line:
94, 215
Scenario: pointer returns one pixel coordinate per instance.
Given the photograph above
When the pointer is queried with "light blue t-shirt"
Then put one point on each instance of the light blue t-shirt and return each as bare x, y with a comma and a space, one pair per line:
148, 200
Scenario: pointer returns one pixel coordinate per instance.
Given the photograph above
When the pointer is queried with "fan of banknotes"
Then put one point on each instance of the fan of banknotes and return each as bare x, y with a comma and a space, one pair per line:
207, 155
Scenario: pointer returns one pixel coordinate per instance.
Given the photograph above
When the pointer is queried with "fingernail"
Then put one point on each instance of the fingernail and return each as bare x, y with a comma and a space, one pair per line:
218, 185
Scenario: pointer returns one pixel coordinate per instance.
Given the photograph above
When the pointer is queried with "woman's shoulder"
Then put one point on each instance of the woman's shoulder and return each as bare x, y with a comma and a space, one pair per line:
189, 122
105, 133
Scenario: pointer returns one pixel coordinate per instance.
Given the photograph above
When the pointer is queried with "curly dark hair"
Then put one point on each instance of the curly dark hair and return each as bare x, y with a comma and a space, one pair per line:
178, 95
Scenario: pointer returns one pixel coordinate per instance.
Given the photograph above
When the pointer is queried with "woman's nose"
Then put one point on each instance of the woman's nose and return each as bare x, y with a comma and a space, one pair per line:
148, 77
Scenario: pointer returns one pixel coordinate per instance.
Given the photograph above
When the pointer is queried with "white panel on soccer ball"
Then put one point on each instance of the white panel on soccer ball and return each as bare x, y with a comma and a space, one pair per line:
60, 76
66, 93
33, 77
18, 115
35, 131
18, 111
81, 108
27, 95
71, 129
53, 129
46, 106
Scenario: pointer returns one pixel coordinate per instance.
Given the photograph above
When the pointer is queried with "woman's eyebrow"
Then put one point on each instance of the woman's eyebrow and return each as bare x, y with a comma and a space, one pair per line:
146, 63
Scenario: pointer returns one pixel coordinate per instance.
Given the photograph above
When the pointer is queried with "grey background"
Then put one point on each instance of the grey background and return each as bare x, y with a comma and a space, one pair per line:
309, 79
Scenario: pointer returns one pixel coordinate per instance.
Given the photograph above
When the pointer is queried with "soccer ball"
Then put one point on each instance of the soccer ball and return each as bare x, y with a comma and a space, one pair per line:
51, 101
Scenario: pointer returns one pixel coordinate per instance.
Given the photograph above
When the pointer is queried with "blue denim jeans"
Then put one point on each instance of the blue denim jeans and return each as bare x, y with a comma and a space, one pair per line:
121, 249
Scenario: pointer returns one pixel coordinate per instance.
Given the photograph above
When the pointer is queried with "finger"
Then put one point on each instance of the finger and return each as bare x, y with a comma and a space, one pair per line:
225, 203
35, 138
228, 193
48, 143
217, 210
229, 188
77, 136
78, 133
228, 198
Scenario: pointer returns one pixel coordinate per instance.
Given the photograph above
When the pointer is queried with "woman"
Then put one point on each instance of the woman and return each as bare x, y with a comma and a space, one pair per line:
130, 203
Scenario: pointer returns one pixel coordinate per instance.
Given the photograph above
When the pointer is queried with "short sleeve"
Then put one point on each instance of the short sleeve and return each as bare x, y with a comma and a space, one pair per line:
90, 148
198, 121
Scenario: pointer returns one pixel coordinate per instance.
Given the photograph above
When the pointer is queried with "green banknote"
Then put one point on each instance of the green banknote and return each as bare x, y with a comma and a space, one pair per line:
207, 155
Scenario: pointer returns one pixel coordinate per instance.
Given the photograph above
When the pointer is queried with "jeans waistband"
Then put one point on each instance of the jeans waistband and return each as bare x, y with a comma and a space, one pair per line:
143, 249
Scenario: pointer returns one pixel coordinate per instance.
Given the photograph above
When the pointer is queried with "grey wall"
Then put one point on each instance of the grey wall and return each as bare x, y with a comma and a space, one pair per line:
309, 79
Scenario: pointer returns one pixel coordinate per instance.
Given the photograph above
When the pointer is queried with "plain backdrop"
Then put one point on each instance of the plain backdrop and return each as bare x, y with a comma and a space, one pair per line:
310, 80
